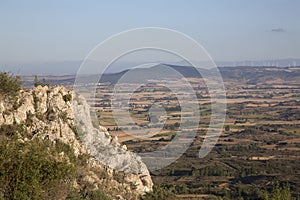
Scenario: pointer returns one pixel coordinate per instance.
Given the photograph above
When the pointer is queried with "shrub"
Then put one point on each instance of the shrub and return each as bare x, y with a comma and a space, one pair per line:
33, 170
67, 97
92, 195
9, 85
11, 130
97, 194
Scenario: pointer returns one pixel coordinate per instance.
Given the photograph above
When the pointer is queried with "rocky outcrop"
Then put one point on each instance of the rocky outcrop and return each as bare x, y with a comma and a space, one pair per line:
54, 113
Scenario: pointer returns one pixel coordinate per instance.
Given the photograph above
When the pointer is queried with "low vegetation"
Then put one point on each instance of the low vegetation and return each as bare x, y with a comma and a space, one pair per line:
39, 169
159, 193
10, 86
32, 170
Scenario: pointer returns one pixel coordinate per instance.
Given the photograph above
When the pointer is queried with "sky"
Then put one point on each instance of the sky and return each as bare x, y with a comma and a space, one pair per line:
36, 31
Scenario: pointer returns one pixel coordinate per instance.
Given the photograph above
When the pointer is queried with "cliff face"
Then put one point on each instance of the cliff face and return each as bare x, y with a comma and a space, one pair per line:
57, 114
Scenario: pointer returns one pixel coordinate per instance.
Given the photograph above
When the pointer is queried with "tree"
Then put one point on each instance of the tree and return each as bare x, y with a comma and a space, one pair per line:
36, 81
43, 82
227, 128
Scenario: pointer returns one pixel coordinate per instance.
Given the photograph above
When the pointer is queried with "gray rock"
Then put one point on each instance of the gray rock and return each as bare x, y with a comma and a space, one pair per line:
53, 117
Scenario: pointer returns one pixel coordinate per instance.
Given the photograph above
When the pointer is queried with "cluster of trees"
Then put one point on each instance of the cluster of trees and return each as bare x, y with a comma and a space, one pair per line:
277, 192
213, 171
242, 148
37, 82
173, 108
159, 193
11, 85
237, 191
172, 127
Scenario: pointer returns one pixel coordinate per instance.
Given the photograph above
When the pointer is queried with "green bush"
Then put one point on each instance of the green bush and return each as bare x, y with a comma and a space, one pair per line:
9, 85
34, 170
11, 130
67, 97
97, 194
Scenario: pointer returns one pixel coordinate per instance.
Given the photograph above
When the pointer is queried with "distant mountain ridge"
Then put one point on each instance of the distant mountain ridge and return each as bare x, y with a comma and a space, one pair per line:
241, 73
71, 67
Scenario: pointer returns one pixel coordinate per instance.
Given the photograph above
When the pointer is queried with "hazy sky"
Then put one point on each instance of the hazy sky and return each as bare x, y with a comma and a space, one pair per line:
47, 31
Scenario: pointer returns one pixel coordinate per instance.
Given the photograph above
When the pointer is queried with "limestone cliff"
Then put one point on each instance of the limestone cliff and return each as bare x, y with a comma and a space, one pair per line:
54, 113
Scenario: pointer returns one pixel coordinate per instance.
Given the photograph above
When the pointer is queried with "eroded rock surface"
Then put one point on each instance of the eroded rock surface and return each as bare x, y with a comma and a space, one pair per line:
55, 113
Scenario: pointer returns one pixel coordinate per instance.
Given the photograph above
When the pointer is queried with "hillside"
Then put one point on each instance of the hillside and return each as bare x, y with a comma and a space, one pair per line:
43, 156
